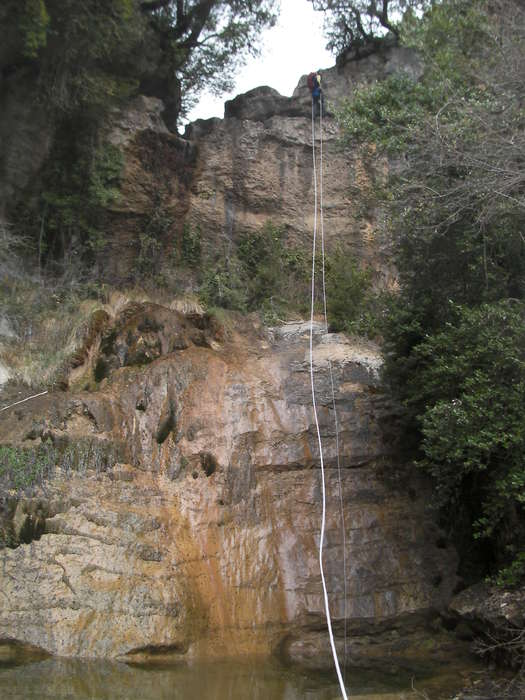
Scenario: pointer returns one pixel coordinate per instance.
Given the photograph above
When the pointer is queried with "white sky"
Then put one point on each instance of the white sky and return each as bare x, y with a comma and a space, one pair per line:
293, 47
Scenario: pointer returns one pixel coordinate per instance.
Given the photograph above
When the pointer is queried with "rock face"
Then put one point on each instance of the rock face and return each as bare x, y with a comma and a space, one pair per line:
178, 499
228, 177
158, 170
256, 165
181, 512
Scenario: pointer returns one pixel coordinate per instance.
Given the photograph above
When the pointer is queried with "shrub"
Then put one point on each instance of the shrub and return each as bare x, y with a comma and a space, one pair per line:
224, 285
348, 287
24, 467
263, 274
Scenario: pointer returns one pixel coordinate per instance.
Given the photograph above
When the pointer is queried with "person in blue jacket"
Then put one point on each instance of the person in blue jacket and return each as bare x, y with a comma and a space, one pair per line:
314, 83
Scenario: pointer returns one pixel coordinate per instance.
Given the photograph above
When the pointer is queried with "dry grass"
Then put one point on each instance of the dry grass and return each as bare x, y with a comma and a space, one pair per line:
50, 323
46, 322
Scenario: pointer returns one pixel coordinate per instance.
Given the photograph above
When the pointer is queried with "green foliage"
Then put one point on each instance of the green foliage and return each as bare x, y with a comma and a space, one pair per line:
454, 344
191, 245
513, 575
152, 236
455, 38
348, 289
104, 175
24, 467
82, 51
81, 184
266, 263
33, 23
470, 387
184, 260
275, 273
262, 274
386, 113
224, 285
354, 24
451, 40
84, 59
90, 54
211, 43
148, 256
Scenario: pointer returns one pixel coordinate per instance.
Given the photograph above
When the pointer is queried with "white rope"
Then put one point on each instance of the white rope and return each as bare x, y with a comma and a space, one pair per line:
323, 484
336, 422
22, 401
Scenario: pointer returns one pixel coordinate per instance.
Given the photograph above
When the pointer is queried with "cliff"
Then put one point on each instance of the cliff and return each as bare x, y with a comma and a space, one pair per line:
227, 177
180, 511
176, 505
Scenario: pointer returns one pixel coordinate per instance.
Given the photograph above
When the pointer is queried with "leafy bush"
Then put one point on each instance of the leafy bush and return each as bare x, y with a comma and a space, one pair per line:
470, 389
80, 184
191, 245
270, 268
387, 113
512, 575
263, 274
34, 23
454, 344
348, 288
21, 468
224, 285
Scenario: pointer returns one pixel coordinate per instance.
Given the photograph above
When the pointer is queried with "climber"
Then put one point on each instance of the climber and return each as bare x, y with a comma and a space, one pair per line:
314, 84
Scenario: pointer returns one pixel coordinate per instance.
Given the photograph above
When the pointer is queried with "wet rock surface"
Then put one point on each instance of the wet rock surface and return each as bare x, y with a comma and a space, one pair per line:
196, 533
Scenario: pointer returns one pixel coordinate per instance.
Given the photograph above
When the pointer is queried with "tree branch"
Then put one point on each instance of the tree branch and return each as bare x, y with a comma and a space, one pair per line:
196, 20
383, 18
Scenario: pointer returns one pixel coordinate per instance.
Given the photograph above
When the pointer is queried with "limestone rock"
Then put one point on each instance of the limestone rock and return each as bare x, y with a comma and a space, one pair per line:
141, 114
260, 104
339, 82
199, 535
256, 165
495, 616
390, 646
228, 177
491, 606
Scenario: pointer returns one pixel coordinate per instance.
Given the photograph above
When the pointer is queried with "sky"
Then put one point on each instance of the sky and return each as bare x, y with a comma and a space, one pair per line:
293, 47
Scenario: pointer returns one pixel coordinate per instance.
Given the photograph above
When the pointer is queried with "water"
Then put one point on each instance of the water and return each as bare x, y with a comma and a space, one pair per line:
71, 679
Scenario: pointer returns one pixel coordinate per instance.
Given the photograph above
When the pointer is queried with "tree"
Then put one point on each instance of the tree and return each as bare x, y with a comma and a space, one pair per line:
352, 24
200, 43
86, 53
469, 391
455, 209
80, 54
78, 60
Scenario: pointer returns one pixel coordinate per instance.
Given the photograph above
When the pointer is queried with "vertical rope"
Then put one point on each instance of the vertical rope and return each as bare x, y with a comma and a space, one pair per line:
323, 484
336, 422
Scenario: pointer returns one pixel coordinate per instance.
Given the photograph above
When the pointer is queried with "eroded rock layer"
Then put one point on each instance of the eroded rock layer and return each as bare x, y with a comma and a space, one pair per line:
181, 513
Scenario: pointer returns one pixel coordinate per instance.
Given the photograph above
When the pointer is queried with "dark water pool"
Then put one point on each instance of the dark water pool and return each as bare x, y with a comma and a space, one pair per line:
58, 679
